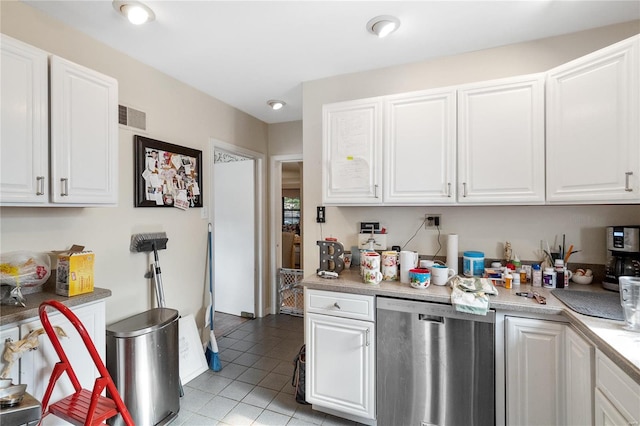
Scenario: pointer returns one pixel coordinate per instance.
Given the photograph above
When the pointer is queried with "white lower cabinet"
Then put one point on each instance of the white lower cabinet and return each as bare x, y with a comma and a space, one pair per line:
548, 373
340, 354
35, 366
617, 396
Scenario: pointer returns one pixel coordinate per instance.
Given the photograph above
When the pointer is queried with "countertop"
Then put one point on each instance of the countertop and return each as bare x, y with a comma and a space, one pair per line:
13, 314
621, 346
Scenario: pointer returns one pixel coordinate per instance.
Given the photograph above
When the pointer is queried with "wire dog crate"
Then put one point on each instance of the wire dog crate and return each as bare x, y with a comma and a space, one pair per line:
290, 292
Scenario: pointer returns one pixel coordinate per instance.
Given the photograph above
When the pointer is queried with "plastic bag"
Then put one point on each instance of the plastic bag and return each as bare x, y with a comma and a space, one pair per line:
24, 268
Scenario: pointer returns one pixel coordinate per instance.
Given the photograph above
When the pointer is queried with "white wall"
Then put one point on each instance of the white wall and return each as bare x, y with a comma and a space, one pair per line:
176, 113
480, 228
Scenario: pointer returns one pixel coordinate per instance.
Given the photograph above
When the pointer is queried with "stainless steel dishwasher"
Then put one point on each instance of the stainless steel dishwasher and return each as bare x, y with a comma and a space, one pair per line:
435, 366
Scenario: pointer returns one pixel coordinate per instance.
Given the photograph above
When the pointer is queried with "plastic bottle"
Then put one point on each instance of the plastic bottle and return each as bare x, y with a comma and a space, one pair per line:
523, 276
549, 278
560, 274
536, 276
516, 279
508, 279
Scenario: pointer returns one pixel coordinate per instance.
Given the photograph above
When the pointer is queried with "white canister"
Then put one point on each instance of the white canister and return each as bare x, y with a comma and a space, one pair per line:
549, 278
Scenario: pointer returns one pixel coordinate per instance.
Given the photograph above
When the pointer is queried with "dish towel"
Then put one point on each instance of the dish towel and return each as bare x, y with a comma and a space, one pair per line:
471, 295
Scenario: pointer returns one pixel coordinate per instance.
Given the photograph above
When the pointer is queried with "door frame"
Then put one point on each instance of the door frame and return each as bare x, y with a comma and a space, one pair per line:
275, 254
260, 212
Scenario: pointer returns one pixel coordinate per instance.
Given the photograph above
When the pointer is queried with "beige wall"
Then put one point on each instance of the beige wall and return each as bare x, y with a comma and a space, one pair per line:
479, 228
176, 113
285, 138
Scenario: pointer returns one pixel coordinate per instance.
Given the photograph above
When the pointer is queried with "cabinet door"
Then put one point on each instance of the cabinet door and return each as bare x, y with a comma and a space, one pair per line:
351, 152
24, 142
534, 374
420, 148
501, 141
606, 414
593, 127
10, 333
36, 366
340, 364
578, 373
84, 135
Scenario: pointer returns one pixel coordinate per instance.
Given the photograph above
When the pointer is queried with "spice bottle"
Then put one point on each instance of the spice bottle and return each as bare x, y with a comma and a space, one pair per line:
536, 276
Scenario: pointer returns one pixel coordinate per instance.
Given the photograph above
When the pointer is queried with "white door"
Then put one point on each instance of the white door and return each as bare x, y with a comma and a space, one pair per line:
234, 236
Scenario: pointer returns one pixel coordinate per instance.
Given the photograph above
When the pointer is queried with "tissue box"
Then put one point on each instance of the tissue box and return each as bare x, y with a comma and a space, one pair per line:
75, 272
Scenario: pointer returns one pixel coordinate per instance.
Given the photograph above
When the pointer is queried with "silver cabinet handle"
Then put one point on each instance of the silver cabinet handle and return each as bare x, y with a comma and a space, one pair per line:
375, 190
464, 189
367, 337
336, 305
65, 187
449, 189
40, 185
627, 181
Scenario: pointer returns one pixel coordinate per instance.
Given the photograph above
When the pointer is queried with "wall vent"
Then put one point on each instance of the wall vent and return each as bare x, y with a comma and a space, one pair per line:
130, 117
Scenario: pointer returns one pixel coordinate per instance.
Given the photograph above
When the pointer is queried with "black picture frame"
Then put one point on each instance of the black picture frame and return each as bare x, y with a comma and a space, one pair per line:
162, 171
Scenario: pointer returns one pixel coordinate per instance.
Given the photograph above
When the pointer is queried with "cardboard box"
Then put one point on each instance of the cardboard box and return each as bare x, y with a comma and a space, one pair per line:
75, 272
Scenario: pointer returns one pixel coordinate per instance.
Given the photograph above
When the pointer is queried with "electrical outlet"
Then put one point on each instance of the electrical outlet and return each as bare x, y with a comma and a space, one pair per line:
432, 220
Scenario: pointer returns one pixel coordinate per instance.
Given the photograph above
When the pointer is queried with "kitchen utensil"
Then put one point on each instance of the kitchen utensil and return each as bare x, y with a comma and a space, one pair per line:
420, 278
533, 294
441, 274
630, 301
582, 279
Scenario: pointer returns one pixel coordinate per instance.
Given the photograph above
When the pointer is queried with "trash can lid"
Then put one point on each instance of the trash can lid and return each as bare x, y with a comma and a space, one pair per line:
143, 323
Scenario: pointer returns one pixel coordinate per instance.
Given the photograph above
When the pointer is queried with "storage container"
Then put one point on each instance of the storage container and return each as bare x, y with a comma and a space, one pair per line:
473, 263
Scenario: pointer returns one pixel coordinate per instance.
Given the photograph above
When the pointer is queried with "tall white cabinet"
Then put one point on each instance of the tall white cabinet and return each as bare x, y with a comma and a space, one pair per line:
71, 159
24, 141
340, 354
593, 129
501, 141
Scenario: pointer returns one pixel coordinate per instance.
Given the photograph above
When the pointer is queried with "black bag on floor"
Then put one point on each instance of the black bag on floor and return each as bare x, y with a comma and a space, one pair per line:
298, 376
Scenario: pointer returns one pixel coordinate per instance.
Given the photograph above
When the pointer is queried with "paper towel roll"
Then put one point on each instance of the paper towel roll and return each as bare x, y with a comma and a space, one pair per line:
452, 252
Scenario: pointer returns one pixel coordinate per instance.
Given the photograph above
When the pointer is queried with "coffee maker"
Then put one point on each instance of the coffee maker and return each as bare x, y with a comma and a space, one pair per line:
623, 243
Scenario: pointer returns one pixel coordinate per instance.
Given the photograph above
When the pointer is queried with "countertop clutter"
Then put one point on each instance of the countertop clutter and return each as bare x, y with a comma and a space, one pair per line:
620, 345
12, 314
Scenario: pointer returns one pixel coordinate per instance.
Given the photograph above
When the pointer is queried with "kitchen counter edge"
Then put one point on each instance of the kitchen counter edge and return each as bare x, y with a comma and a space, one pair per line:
14, 314
607, 335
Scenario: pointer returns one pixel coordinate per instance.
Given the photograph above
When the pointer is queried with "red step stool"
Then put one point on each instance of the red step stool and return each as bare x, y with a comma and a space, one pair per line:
83, 407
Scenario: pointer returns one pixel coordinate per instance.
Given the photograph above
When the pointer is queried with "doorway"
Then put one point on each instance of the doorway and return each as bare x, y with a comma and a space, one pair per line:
286, 219
237, 218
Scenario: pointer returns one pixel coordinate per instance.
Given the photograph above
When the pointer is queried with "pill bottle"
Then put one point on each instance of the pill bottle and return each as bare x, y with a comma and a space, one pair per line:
523, 276
516, 279
536, 276
508, 279
549, 278
472, 263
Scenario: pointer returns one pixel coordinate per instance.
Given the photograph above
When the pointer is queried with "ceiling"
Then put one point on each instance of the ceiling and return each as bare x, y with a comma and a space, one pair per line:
247, 52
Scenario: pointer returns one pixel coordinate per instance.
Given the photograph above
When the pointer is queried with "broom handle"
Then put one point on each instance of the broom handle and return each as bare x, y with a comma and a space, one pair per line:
210, 250
158, 278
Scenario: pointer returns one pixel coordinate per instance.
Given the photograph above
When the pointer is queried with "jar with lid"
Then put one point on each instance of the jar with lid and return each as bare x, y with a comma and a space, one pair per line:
473, 263
536, 276
516, 278
507, 278
560, 273
549, 278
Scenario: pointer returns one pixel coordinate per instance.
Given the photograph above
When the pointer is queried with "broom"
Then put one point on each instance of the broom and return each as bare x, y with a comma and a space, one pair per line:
211, 353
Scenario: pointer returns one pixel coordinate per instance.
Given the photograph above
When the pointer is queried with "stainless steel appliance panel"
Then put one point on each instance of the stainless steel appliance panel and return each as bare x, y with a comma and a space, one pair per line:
435, 366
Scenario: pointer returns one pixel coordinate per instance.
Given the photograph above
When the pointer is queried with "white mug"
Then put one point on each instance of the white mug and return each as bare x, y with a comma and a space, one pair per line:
372, 276
426, 263
371, 260
408, 260
441, 274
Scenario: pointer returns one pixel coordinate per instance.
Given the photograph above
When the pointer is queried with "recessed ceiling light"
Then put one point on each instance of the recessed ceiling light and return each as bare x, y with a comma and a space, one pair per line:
275, 104
137, 13
383, 25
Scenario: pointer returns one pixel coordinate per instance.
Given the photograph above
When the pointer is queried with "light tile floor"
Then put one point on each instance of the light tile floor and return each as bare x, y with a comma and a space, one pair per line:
254, 385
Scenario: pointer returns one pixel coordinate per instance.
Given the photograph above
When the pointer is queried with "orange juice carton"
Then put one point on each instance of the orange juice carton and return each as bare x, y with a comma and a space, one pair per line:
75, 272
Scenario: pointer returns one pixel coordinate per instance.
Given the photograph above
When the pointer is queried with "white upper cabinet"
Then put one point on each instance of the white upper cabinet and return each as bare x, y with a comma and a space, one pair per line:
59, 141
593, 127
24, 142
84, 135
501, 141
352, 152
420, 148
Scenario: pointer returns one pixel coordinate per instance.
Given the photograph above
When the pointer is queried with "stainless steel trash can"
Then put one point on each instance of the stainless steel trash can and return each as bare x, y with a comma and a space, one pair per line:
143, 360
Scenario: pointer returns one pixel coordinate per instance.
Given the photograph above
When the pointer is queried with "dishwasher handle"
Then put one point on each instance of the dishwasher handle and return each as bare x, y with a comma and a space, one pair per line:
431, 318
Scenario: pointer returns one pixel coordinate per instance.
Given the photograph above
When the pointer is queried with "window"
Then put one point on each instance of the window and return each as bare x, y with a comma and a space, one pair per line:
290, 212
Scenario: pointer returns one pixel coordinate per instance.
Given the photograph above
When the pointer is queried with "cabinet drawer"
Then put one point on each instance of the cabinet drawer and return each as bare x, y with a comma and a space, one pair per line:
345, 305
618, 387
